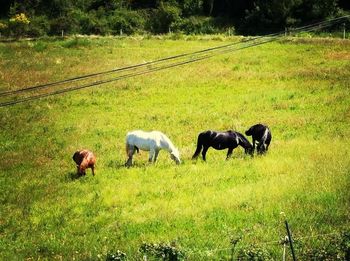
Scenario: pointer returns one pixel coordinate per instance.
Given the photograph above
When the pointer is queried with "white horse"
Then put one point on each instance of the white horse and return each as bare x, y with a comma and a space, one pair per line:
153, 142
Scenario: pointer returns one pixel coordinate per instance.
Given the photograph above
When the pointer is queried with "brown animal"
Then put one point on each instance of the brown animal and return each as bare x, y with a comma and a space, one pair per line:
84, 159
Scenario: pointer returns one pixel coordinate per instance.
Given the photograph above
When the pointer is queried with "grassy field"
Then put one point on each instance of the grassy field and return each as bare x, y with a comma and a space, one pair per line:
300, 88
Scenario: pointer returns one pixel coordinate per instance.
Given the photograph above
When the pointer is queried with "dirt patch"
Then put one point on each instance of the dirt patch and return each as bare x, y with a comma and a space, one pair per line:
344, 55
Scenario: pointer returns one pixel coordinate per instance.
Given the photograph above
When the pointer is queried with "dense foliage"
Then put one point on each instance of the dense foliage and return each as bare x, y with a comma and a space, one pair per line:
160, 16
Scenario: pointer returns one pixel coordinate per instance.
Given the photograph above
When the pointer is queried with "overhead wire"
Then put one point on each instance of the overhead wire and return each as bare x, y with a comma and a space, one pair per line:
206, 53
124, 76
123, 68
121, 77
130, 75
159, 60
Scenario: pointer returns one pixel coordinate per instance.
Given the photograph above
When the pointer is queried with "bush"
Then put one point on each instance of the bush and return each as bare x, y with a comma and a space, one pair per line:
76, 42
202, 25
165, 17
335, 247
39, 26
93, 22
18, 25
117, 256
3, 28
192, 7
128, 21
95, 25
69, 24
254, 253
323, 253
40, 46
345, 244
165, 251
196, 25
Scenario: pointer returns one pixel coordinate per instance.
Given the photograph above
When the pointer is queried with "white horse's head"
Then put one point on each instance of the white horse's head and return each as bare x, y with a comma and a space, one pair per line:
175, 155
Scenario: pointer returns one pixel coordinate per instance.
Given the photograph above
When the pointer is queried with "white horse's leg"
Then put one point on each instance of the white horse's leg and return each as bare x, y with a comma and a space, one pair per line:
152, 152
156, 155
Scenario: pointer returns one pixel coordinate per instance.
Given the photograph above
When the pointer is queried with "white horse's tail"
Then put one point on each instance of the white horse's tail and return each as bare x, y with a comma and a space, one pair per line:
129, 146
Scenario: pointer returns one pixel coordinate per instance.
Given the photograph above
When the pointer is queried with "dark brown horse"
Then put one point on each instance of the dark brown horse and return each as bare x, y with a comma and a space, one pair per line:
220, 141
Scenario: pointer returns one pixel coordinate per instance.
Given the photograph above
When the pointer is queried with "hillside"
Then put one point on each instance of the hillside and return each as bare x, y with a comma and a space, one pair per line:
298, 87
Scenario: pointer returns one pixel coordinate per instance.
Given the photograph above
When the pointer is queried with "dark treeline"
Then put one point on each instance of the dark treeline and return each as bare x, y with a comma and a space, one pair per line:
161, 16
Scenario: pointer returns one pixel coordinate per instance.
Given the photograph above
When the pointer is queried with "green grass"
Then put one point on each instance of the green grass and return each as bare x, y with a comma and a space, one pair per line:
299, 87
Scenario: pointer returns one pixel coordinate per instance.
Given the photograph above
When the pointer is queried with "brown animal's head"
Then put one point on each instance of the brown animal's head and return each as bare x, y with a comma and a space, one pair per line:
77, 157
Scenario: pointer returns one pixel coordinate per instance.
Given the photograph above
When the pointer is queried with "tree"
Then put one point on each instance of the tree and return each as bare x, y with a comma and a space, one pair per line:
18, 24
5, 7
165, 16
273, 15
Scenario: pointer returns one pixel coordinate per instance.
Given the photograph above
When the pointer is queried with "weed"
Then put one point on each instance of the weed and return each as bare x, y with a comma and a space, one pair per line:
117, 256
40, 46
254, 253
76, 42
164, 251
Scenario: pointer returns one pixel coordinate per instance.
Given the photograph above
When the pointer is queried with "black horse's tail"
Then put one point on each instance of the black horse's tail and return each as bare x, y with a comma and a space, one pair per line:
199, 146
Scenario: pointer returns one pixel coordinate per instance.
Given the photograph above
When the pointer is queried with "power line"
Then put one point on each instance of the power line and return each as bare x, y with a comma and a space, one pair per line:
157, 61
206, 53
122, 77
6, 93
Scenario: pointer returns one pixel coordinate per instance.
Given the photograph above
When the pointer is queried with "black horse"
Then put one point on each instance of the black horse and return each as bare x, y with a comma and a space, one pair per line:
262, 135
220, 141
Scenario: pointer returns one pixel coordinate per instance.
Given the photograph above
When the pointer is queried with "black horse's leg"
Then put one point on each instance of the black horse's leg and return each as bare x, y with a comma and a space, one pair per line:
198, 149
253, 145
204, 152
259, 148
264, 148
196, 153
229, 153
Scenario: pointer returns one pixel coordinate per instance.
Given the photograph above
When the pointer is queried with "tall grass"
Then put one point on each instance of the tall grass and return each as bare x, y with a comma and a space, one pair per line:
299, 88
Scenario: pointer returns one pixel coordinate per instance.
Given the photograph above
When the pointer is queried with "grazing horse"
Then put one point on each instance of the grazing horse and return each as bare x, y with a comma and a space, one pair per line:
220, 141
153, 142
84, 159
262, 135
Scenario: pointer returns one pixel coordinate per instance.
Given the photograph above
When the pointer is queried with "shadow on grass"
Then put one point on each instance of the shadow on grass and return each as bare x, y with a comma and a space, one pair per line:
73, 176
116, 164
